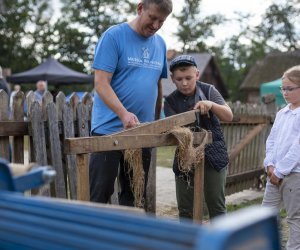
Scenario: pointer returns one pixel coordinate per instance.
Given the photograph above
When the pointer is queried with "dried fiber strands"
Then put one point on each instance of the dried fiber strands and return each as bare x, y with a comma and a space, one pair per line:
189, 156
136, 170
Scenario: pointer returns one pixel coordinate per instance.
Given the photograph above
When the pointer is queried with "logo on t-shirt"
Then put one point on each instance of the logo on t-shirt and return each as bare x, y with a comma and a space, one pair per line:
146, 54
145, 61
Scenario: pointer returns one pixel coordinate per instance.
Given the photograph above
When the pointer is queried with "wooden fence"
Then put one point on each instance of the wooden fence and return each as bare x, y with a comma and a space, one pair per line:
245, 137
46, 126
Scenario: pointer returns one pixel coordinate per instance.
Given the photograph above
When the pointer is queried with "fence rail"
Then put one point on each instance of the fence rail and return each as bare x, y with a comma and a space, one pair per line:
48, 124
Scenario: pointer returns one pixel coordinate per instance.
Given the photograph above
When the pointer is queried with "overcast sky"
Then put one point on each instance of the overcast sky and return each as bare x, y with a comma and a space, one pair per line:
225, 7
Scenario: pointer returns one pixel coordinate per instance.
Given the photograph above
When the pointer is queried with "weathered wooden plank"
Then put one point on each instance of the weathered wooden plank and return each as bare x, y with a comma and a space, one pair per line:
74, 100
162, 125
70, 160
199, 183
18, 115
38, 139
4, 140
151, 185
245, 141
119, 142
29, 102
242, 176
198, 192
11, 128
83, 193
47, 98
60, 100
87, 100
82, 120
14, 128
249, 119
55, 151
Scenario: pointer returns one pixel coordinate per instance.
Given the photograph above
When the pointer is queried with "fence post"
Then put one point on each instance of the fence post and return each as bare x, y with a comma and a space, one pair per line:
55, 151
18, 115
38, 139
68, 132
4, 140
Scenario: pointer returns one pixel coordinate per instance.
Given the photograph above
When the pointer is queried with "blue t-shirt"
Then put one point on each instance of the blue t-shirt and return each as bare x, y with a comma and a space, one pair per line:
137, 64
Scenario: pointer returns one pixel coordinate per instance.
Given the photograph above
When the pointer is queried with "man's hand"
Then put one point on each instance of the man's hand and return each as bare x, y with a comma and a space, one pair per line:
129, 120
203, 106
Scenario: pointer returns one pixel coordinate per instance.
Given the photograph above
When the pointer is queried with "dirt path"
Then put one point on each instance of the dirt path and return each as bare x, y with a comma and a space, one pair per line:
166, 204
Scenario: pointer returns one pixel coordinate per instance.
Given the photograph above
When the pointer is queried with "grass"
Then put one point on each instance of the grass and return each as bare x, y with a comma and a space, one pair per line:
165, 156
258, 201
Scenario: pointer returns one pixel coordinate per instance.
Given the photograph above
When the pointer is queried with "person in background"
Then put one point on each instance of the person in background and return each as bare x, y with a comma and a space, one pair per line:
193, 94
282, 161
3, 83
129, 62
40, 91
17, 88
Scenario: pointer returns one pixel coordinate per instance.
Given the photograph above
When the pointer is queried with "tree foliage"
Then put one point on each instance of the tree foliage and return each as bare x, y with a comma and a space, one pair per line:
80, 25
23, 31
238, 53
194, 29
28, 33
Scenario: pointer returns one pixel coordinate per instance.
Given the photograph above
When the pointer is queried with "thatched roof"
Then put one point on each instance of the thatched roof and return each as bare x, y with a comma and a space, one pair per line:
270, 68
203, 60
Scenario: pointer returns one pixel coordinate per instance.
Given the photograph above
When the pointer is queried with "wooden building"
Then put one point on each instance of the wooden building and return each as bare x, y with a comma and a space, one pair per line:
268, 69
209, 73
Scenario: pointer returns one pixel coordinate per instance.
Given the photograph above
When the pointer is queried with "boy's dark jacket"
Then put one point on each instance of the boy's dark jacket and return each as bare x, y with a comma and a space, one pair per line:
216, 154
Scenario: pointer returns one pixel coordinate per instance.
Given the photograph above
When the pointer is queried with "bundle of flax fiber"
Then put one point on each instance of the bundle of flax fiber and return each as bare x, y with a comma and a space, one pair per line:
188, 158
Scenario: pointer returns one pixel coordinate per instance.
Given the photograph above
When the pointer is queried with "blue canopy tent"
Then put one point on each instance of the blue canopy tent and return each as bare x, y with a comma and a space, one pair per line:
53, 72
273, 87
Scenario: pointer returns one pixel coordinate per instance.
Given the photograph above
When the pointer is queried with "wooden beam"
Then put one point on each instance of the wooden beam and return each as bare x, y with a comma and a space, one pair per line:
241, 177
198, 192
13, 128
162, 125
249, 119
245, 141
82, 171
85, 145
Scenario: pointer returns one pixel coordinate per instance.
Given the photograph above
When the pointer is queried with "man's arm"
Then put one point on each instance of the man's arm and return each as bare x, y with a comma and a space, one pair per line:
158, 100
109, 97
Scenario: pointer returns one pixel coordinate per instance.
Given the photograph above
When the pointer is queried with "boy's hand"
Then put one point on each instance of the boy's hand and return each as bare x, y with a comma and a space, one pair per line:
275, 180
203, 106
270, 170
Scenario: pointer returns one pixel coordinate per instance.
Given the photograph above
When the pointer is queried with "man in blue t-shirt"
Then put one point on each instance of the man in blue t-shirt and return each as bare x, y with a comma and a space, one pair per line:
129, 62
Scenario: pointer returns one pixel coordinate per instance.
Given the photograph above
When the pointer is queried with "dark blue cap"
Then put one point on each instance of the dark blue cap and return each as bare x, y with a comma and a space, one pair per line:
183, 60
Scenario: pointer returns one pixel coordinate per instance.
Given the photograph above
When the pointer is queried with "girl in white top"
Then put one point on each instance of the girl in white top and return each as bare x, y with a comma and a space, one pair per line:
282, 160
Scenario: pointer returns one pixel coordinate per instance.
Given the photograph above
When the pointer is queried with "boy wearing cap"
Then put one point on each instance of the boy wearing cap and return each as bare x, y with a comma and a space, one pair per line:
193, 94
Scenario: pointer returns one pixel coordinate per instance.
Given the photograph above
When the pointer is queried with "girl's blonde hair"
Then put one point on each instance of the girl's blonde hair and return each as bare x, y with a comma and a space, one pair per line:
293, 74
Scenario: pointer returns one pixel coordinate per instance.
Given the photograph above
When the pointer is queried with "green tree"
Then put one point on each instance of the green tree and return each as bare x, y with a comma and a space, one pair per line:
194, 29
276, 32
278, 26
81, 24
20, 25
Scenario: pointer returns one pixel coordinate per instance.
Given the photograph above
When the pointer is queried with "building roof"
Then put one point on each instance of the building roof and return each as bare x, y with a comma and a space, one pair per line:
203, 60
270, 68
